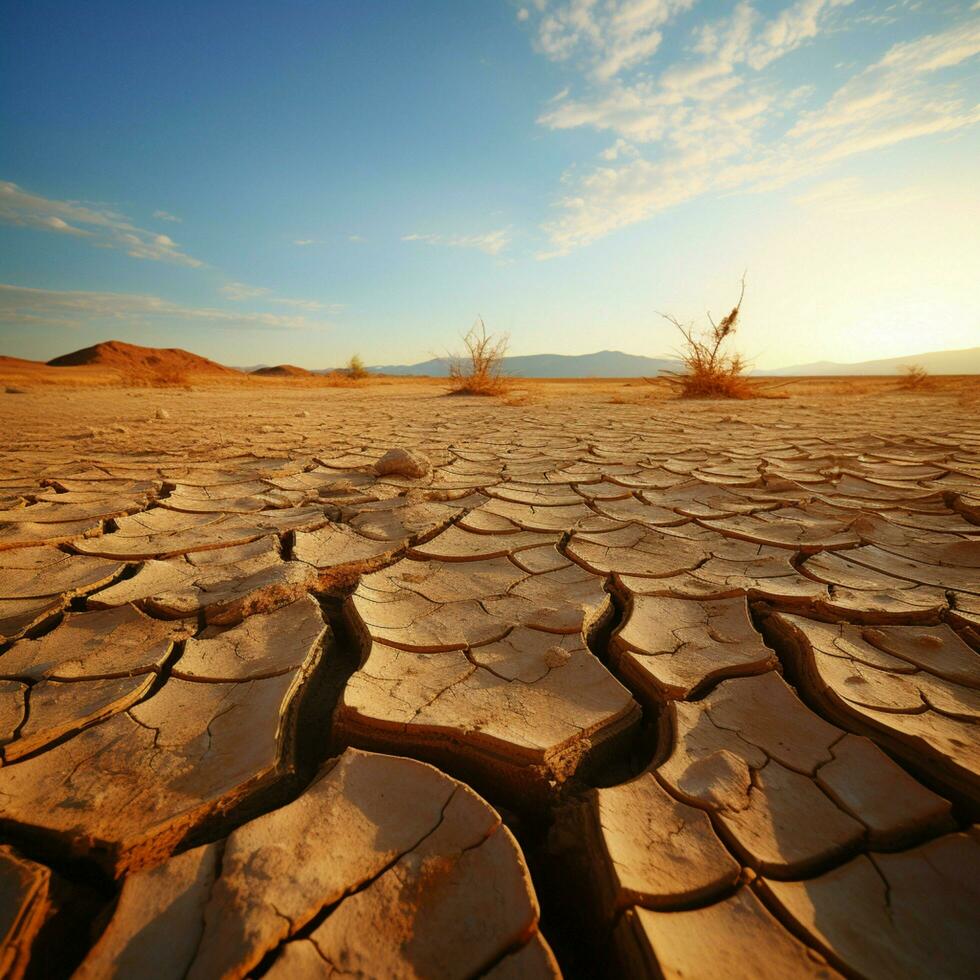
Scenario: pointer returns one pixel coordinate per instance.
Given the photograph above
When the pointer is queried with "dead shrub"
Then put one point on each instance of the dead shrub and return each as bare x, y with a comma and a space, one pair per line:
709, 371
356, 370
478, 371
916, 378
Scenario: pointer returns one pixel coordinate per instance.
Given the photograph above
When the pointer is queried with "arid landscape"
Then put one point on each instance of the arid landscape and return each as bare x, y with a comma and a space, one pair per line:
305, 680
490, 491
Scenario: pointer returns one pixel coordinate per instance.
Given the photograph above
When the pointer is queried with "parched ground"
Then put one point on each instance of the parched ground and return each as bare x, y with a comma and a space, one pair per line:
580, 681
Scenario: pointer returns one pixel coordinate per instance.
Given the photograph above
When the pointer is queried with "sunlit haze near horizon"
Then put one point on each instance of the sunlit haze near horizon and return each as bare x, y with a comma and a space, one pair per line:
301, 181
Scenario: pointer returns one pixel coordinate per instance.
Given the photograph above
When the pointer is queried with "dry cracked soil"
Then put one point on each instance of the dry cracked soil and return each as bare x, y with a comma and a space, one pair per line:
564, 687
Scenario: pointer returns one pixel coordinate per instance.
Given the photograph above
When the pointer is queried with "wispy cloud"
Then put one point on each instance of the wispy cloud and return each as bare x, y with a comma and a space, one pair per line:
491, 242
241, 292
166, 216
305, 242
74, 308
94, 223
610, 36
747, 38
719, 120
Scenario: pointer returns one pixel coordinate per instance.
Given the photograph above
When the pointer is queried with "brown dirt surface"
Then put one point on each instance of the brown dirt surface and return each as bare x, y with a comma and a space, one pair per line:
587, 681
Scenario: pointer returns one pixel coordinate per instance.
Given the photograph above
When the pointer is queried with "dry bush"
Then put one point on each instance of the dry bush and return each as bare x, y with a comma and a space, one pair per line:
477, 372
355, 368
709, 371
916, 378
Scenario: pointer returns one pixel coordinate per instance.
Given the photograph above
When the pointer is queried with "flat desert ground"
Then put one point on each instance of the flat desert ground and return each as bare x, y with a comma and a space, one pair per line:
584, 679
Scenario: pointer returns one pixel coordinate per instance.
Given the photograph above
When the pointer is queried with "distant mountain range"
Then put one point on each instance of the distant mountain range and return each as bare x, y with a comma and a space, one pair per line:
603, 364
616, 364
965, 361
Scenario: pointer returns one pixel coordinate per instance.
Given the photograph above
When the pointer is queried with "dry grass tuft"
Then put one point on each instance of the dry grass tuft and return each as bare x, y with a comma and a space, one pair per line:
916, 378
477, 372
709, 371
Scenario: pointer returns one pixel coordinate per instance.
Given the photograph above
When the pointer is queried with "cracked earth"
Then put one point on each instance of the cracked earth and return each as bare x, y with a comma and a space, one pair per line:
563, 688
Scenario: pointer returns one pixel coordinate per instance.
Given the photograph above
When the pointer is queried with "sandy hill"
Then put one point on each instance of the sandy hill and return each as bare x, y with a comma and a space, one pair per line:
132, 358
15, 362
282, 371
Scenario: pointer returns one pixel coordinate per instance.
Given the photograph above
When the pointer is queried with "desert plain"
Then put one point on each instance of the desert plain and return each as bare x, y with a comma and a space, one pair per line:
308, 680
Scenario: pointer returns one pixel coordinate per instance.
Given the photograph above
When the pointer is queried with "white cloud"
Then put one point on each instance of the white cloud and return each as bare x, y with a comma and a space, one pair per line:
610, 36
523, 14
357, 239
303, 242
744, 38
796, 25
722, 123
166, 216
491, 242
97, 224
52, 223
73, 308
312, 305
894, 99
620, 149
240, 292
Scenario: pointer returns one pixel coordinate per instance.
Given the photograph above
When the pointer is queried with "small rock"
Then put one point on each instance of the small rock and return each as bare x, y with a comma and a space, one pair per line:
14, 390
303, 415
404, 462
556, 657
162, 413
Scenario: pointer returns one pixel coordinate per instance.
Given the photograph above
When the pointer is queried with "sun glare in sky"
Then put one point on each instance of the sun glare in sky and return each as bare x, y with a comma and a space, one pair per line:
301, 181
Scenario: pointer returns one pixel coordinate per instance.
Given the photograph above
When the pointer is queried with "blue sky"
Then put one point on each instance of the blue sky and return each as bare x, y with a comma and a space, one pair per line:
301, 181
